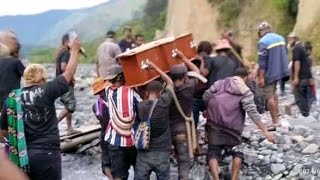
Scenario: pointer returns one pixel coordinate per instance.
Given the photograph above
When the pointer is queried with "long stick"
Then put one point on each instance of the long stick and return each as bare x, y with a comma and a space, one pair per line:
237, 56
188, 120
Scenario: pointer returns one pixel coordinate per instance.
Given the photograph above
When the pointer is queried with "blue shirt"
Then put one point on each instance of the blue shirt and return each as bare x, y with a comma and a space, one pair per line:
273, 57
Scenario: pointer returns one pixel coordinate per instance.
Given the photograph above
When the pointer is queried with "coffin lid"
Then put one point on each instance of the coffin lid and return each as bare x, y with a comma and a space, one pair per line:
151, 45
183, 35
147, 46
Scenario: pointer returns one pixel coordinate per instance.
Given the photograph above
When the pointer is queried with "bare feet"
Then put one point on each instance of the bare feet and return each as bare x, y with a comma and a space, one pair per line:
72, 132
107, 172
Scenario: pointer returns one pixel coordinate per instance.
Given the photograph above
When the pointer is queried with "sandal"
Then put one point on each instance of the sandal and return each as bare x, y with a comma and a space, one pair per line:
273, 127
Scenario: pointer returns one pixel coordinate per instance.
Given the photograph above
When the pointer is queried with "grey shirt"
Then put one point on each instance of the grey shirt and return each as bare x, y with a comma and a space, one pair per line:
106, 56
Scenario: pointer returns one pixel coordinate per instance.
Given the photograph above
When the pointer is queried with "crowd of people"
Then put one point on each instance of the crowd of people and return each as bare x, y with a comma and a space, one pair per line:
143, 128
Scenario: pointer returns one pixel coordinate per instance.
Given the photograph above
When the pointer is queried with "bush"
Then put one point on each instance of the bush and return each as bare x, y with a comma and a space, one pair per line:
229, 11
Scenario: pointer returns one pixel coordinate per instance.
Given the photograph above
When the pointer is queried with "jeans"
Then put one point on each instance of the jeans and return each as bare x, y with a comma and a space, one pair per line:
197, 107
45, 164
301, 96
181, 148
156, 161
121, 160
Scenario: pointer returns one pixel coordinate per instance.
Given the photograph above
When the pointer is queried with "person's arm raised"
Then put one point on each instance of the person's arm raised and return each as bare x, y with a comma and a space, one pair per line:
73, 62
189, 64
163, 75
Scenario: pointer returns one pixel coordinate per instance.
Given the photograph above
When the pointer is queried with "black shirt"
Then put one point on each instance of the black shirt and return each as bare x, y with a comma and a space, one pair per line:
185, 97
125, 45
220, 67
63, 57
160, 138
299, 54
39, 114
11, 71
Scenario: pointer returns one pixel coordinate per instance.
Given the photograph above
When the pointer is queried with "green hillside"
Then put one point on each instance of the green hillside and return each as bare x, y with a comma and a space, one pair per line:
152, 18
94, 22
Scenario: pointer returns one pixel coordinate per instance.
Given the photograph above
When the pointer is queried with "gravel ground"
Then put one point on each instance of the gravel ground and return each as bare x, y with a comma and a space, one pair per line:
262, 159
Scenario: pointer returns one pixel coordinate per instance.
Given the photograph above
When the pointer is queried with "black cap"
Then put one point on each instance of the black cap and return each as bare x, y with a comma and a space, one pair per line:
178, 69
113, 71
111, 34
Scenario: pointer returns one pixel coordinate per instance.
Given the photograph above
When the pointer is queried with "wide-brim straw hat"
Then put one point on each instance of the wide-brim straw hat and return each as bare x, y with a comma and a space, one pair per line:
35, 74
99, 84
222, 44
292, 35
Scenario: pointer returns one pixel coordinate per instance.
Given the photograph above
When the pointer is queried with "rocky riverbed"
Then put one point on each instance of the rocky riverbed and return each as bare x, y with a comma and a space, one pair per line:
294, 156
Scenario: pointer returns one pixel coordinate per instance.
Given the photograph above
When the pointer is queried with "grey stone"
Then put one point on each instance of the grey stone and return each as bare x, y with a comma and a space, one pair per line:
279, 161
266, 152
290, 166
280, 155
302, 130
95, 142
285, 139
268, 177
277, 168
254, 143
255, 138
261, 157
273, 159
286, 147
286, 172
296, 170
84, 148
311, 149
280, 150
277, 177
302, 145
273, 147
310, 138
91, 152
97, 149
246, 134
297, 139
266, 160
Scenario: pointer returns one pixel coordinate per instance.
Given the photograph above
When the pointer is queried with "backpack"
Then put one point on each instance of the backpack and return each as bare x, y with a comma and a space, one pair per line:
142, 135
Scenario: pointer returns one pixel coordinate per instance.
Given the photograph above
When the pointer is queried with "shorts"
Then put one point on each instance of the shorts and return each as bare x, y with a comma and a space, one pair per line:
121, 160
269, 90
219, 152
156, 161
69, 100
44, 164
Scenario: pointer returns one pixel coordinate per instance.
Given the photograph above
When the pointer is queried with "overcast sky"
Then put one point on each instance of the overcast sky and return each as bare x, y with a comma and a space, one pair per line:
15, 7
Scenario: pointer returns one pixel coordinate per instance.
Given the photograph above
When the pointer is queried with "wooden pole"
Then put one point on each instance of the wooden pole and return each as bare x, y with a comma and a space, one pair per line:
66, 145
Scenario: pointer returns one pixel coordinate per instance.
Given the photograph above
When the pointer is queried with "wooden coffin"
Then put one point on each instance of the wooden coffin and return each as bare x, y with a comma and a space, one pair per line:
132, 61
167, 47
186, 44
160, 52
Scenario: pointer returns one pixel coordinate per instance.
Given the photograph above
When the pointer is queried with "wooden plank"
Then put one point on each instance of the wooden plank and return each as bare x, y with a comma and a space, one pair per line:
84, 130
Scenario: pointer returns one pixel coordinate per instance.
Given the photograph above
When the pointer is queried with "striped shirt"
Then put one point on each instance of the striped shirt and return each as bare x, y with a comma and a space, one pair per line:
126, 100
